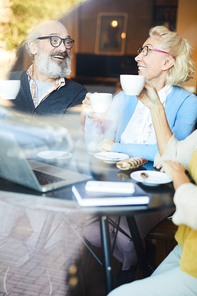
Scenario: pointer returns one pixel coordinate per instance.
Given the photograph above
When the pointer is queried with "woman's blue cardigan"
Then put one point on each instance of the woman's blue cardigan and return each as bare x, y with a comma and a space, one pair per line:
181, 113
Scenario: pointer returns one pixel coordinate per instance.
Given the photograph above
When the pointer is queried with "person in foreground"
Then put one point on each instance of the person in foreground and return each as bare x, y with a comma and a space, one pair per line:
45, 90
165, 60
177, 274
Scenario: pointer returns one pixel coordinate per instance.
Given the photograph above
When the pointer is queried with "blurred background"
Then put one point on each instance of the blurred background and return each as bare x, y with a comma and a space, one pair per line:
97, 59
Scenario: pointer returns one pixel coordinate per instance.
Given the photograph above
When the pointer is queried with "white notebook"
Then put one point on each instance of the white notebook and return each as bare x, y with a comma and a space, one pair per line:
100, 198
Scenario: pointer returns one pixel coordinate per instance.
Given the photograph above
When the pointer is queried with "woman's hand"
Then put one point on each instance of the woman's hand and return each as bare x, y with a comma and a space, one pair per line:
171, 168
105, 145
175, 171
87, 108
149, 96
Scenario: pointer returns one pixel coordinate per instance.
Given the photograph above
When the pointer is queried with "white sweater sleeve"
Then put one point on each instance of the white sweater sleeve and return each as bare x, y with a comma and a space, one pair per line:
185, 199
181, 151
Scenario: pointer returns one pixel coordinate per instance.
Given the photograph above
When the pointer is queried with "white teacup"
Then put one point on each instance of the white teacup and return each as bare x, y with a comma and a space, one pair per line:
100, 102
9, 89
132, 84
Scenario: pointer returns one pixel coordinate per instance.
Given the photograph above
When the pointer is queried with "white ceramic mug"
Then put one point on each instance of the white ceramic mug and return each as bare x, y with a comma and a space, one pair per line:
132, 84
100, 102
9, 89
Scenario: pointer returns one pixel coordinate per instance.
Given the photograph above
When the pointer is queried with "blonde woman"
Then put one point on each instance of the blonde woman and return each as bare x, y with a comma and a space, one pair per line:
166, 62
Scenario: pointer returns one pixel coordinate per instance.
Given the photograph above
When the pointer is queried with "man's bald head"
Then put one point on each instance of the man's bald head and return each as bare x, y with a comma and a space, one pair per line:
46, 28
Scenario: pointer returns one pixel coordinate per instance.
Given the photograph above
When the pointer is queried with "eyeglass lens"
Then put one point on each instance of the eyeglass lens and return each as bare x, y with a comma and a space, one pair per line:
144, 50
56, 41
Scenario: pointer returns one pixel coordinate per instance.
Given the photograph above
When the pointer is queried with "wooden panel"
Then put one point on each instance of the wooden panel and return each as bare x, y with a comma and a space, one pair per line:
140, 14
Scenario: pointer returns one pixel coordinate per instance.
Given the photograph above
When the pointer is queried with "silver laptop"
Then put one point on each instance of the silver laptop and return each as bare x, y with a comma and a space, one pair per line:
38, 176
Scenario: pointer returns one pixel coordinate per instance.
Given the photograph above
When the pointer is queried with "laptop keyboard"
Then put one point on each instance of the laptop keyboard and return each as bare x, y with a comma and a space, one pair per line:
45, 179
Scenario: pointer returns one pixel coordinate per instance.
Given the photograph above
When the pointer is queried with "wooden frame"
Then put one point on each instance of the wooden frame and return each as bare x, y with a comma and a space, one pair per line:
111, 33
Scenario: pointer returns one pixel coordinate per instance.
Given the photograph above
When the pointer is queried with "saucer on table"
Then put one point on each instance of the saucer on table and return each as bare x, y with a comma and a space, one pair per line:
111, 157
150, 178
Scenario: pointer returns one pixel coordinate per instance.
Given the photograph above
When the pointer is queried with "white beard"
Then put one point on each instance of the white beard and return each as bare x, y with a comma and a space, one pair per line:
50, 68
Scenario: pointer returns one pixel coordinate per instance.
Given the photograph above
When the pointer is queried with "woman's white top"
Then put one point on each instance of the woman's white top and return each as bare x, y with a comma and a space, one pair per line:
140, 129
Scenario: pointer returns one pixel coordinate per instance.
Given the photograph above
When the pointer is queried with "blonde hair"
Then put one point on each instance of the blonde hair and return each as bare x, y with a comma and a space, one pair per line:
183, 68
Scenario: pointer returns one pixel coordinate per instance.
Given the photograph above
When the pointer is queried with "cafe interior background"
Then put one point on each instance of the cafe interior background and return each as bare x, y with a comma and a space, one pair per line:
97, 63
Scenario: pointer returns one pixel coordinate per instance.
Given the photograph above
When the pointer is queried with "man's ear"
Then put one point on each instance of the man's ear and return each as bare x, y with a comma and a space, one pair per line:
169, 63
33, 47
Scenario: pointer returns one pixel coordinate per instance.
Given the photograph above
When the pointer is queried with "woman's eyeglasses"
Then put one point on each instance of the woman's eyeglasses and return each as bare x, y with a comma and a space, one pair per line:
145, 50
56, 41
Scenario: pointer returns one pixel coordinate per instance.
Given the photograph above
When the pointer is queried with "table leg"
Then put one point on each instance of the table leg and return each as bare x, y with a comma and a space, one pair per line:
107, 256
138, 246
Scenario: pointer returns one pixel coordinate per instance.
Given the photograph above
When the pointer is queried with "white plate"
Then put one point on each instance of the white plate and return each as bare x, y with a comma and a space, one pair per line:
154, 178
54, 154
111, 157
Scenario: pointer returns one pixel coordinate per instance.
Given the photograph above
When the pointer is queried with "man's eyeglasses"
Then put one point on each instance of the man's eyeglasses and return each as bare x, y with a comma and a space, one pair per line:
56, 41
145, 50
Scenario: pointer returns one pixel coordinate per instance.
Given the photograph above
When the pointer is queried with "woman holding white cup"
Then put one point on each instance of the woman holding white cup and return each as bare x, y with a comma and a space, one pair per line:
165, 61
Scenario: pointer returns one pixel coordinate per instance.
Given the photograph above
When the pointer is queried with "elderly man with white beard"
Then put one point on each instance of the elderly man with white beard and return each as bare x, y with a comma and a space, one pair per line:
45, 90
